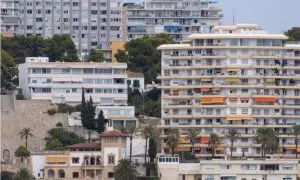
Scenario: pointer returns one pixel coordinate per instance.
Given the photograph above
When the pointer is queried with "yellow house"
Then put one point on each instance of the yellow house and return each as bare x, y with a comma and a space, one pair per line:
115, 45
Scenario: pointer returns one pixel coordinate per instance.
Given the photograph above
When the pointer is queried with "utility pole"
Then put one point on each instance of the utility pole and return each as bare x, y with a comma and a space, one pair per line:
233, 17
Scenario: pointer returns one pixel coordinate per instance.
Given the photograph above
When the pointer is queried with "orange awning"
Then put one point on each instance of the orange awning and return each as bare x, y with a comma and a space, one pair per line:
220, 148
204, 139
265, 99
186, 149
56, 159
211, 100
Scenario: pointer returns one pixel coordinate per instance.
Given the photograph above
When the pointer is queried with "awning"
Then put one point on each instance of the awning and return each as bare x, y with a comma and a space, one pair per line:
58, 159
265, 99
204, 89
227, 175
231, 79
244, 99
198, 148
184, 140
220, 148
206, 79
211, 100
216, 89
238, 117
233, 99
204, 139
270, 80
122, 118
233, 69
185, 149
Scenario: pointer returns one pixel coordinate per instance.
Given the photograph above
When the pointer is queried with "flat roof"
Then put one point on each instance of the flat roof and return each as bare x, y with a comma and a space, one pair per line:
235, 35
175, 46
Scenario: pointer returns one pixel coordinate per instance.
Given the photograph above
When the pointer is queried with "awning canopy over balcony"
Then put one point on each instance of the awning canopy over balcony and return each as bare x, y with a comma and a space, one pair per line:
238, 117
184, 140
204, 139
265, 99
56, 160
212, 100
232, 79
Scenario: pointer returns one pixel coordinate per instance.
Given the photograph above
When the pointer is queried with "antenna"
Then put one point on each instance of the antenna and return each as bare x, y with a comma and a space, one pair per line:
233, 17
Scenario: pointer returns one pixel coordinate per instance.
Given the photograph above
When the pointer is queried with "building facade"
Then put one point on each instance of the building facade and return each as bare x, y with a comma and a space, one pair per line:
136, 81
82, 161
63, 82
176, 18
91, 24
10, 17
237, 77
223, 169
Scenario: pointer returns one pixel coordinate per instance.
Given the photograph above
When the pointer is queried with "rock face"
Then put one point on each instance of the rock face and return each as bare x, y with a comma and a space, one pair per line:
19, 114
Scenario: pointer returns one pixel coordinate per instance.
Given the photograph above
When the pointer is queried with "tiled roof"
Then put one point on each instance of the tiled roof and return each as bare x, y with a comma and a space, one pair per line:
113, 133
134, 74
85, 145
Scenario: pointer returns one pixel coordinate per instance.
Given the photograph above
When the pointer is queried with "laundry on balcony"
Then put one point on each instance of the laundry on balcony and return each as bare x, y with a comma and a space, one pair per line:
265, 99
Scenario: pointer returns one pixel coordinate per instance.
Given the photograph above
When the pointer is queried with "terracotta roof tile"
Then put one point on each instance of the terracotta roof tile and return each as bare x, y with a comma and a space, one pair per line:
113, 133
85, 145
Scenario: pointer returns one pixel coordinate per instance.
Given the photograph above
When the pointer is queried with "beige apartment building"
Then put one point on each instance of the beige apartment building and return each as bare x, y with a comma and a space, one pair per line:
238, 77
224, 169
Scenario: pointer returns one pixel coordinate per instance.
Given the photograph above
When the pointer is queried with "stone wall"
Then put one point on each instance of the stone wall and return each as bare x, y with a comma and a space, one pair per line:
19, 114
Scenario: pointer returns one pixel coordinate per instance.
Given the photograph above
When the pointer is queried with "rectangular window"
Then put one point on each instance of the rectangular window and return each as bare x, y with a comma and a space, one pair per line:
88, 71
111, 159
232, 111
75, 174
75, 160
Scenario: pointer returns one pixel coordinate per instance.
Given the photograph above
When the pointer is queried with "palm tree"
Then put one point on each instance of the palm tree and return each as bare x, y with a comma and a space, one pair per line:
192, 134
213, 142
22, 152
125, 170
232, 135
24, 174
263, 136
173, 139
296, 132
26, 133
146, 133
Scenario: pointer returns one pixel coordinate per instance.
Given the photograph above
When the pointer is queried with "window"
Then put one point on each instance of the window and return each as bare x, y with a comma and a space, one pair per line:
48, 11
183, 177
111, 159
75, 174
93, 28
232, 111
94, 12
93, 4
88, 71
39, 19
61, 173
66, 19
75, 3
75, 160
29, 11
110, 175
75, 19
51, 173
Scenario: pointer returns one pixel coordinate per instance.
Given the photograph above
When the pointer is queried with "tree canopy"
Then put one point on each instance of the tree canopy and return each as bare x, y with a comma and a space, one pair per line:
96, 56
142, 55
293, 34
22, 152
58, 138
57, 48
8, 71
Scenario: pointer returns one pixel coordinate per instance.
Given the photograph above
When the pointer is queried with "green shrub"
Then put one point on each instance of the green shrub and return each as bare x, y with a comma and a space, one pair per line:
51, 112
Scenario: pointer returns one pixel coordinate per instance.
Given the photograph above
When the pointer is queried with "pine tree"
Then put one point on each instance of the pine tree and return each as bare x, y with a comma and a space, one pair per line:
101, 122
83, 112
90, 114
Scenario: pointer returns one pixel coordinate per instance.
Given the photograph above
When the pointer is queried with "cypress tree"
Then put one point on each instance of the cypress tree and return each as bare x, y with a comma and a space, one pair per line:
83, 112
90, 114
101, 122
152, 149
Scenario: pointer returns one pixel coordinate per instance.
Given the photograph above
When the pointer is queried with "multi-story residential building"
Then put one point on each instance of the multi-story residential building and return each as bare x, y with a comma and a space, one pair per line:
224, 169
10, 17
117, 116
136, 81
176, 18
91, 24
237, 77
62, 82
83, 161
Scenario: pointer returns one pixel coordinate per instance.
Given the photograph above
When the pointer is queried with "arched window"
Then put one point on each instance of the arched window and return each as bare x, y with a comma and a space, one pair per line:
6, 155
98, 160
61, 173
86, 160
51, 173
92, 160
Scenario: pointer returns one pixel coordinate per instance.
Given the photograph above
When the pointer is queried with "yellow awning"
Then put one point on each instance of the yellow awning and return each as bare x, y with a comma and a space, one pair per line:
186, 149
238, 117
57, 159
233, 69
270, 80
206, 79
298, 149
231, 79
184, 140
220, 148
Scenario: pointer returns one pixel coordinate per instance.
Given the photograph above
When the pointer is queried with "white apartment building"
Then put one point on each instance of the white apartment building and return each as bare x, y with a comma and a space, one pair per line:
176, 18
10, 17
223, 169
136, 81
91, 24
238, 77
62, 82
